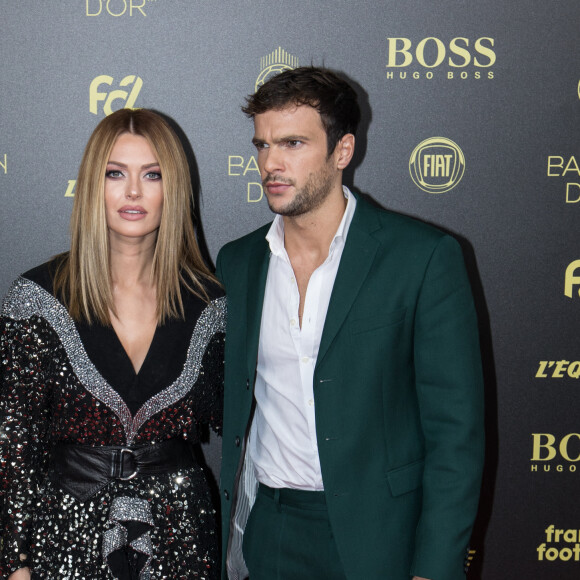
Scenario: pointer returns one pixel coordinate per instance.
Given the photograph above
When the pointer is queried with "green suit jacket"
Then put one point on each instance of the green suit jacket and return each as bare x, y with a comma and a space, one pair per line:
398, 395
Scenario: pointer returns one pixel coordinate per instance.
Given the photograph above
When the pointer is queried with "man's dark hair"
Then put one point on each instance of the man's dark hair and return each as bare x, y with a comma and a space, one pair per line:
333, 98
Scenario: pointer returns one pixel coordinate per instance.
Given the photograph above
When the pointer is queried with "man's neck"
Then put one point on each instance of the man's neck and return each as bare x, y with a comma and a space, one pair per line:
311, 234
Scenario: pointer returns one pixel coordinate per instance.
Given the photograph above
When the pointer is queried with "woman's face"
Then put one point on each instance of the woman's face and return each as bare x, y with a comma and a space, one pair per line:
133, 190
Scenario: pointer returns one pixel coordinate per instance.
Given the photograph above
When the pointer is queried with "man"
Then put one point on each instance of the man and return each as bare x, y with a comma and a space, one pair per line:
353, 402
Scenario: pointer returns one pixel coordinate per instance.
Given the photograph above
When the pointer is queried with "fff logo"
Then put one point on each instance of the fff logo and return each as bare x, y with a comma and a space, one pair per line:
128, 97
571, 279
115, 7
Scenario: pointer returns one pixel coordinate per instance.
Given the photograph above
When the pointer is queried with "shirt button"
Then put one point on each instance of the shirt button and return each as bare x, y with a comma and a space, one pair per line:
305, 359
292, 322
311, 402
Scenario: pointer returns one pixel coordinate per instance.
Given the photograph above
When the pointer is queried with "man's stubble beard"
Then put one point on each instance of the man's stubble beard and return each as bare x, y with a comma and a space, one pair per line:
308, 198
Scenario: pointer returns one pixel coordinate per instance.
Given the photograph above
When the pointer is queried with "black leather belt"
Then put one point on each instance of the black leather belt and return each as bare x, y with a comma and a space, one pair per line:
82, 470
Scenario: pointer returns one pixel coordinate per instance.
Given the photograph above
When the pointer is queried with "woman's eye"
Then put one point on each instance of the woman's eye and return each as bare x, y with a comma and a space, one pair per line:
154, 175
114, 173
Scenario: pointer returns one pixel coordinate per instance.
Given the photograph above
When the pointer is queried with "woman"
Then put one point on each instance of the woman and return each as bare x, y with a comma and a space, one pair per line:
111, 357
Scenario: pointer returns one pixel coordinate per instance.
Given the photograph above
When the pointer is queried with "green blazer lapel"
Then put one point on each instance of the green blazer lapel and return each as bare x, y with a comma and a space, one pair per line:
256, 286
355, 264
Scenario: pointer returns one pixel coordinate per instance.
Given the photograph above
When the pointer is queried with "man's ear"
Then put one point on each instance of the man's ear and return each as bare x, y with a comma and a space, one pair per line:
344, 151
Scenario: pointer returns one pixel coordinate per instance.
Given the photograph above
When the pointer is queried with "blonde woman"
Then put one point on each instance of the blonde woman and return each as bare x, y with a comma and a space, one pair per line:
111, 359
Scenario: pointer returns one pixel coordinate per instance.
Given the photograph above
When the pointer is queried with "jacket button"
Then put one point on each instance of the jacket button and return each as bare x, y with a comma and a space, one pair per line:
237, 441
226, 494
247, 384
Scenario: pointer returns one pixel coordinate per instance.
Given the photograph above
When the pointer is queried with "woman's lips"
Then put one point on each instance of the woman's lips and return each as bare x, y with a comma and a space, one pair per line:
132, 212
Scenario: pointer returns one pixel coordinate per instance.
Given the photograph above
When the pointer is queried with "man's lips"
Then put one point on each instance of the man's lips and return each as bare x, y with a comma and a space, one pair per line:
277, 187
132, 212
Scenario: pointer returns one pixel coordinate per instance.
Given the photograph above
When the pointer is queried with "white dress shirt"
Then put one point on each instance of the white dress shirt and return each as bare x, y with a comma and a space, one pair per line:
282, 442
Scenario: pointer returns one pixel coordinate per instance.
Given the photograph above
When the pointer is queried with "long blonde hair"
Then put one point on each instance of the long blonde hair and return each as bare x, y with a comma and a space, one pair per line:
82, 276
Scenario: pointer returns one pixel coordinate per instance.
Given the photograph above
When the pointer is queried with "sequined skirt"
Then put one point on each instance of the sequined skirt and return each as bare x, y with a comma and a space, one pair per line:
151, 527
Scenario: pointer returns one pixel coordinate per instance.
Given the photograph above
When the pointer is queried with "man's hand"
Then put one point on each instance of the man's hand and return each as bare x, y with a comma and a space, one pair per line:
419, 578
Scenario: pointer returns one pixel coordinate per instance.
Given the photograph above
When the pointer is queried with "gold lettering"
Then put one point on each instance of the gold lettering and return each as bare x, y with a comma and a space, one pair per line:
551, 165
568, 186
561, 366
571, 280
252, 165
123, 95
538, 445
393, 50
136, 89
564, 446
254, 186
420, 52
571, 166
460, 51
485, 51
5, 164
94, 95
540, 373
124, 3
574, 370
231, 163
70, 190
138, 6
94, 13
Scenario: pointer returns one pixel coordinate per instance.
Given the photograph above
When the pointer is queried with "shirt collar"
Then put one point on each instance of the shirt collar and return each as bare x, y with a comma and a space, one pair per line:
275, 235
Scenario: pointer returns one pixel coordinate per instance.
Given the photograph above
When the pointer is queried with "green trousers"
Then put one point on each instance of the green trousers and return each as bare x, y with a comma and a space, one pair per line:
288, 537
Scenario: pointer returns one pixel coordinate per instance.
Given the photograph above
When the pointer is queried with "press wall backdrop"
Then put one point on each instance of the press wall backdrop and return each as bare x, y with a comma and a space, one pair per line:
471, 123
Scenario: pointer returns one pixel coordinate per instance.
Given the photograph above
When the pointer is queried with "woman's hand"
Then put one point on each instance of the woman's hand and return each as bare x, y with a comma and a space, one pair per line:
22, 574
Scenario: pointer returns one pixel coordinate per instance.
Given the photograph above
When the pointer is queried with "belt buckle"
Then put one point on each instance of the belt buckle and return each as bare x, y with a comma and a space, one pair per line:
134, 474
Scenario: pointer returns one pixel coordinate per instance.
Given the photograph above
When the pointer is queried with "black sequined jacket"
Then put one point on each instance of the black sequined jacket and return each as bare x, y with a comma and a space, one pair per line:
61, 381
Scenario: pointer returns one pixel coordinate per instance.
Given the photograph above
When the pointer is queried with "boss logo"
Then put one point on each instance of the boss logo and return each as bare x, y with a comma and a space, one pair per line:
432, 52
545, 447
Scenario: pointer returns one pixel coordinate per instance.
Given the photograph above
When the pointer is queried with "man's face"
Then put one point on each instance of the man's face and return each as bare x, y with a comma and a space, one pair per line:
297, 174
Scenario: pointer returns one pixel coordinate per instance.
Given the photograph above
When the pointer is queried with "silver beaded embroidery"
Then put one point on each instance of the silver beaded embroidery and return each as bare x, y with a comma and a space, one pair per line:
26, 299
126, 509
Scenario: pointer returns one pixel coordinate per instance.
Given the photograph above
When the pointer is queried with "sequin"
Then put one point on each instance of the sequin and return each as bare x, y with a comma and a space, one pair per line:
50, 391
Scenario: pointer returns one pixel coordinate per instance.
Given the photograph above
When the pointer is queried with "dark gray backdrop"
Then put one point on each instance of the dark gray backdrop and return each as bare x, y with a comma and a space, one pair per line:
514, 117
